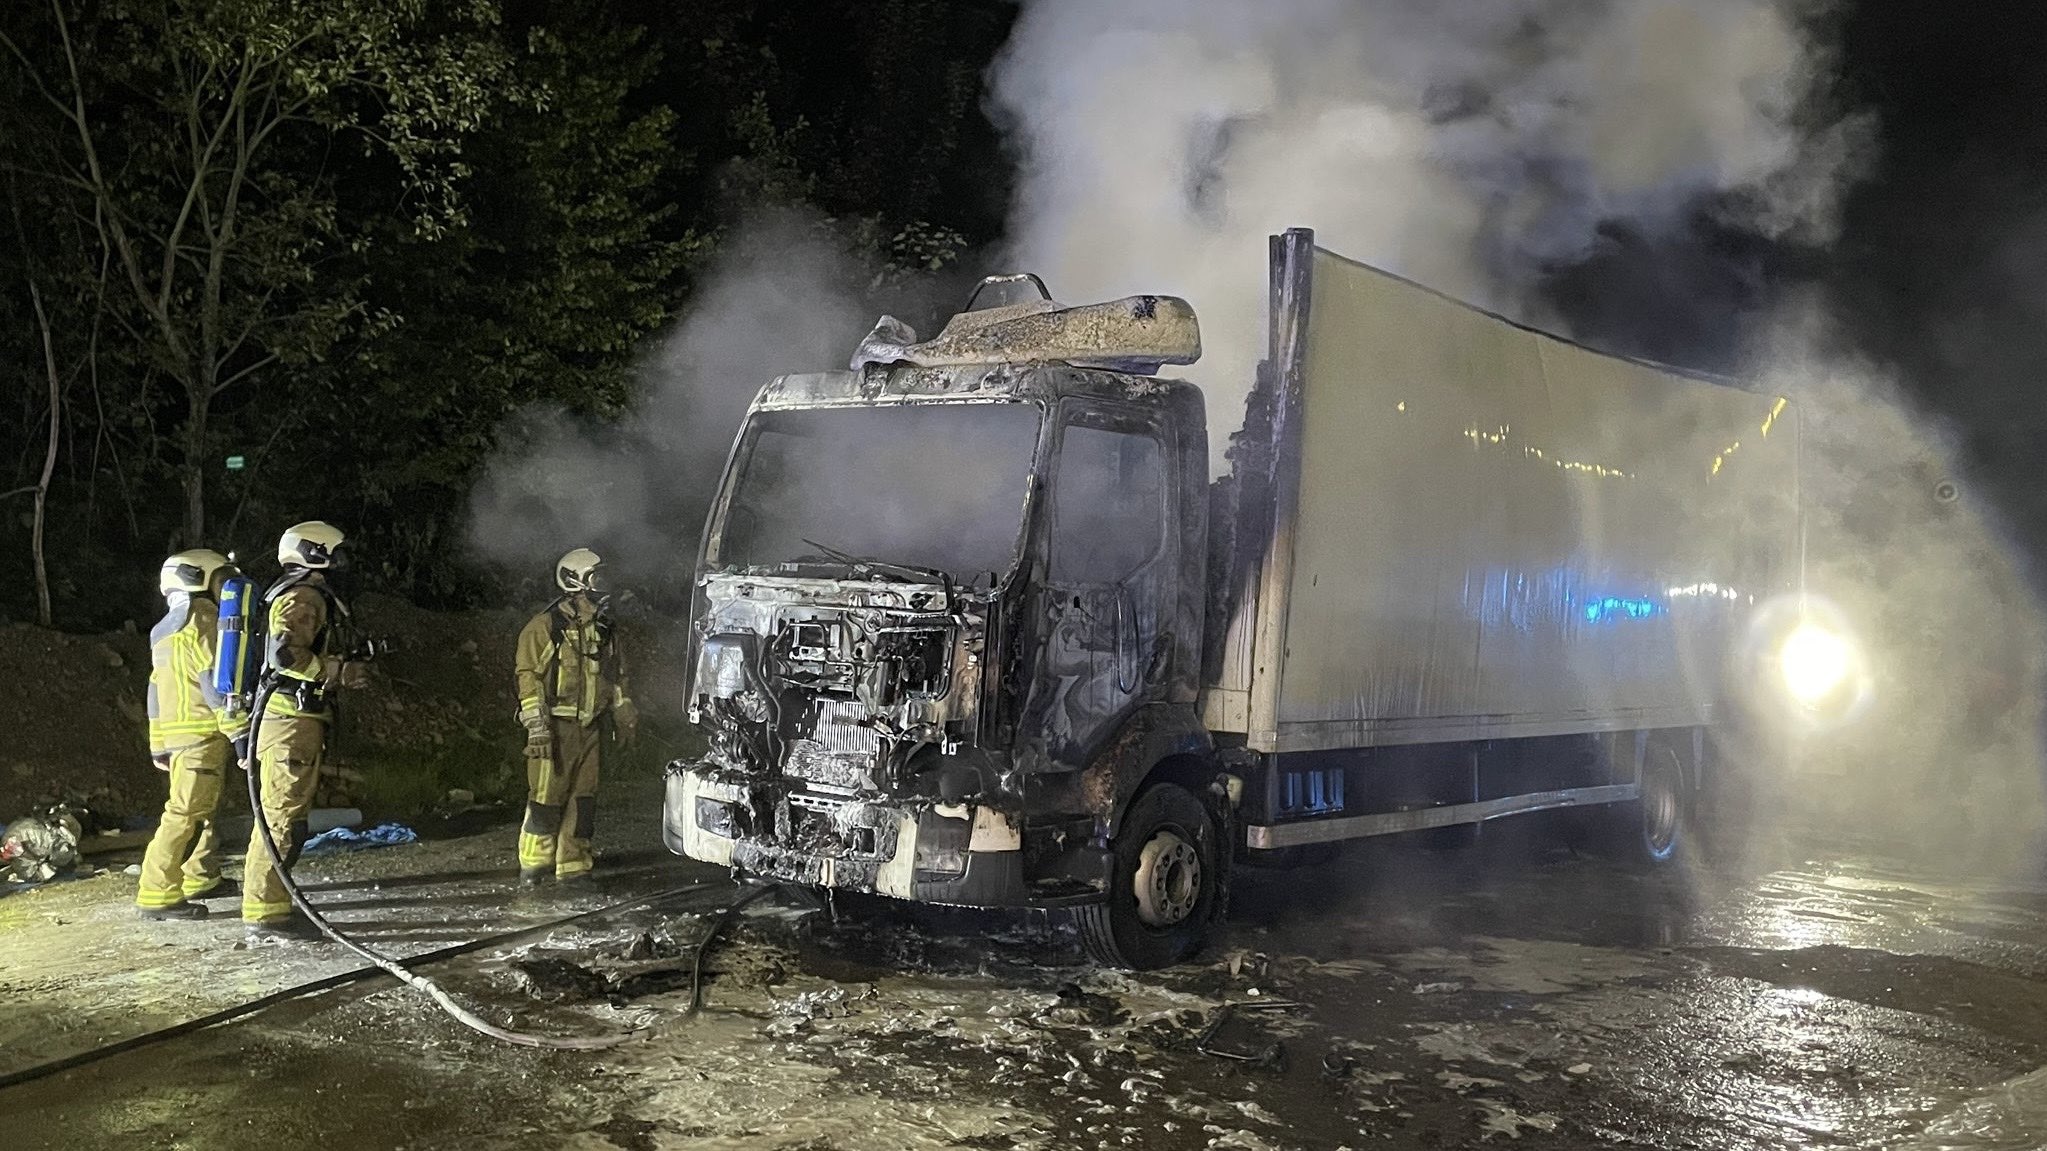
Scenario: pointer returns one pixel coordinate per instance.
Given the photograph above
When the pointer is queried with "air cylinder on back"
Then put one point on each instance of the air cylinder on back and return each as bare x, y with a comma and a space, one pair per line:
234, 651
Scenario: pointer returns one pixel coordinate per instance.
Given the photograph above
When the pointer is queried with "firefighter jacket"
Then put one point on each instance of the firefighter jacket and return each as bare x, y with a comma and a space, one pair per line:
568, 664
184, 708
305, 652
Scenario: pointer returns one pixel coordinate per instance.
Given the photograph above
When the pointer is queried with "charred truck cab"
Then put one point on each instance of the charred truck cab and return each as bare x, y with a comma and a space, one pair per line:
962, 635
941, 602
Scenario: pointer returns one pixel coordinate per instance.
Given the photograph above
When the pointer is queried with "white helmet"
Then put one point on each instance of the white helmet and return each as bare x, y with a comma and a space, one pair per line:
191, 572
312, 544
580, 570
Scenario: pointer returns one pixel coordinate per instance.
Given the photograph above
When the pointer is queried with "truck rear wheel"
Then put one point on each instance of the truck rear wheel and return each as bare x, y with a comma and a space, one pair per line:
1654, 830
1162, 892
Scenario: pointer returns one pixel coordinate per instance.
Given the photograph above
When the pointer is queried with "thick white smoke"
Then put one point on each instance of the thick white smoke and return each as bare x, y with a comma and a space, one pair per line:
1467, 146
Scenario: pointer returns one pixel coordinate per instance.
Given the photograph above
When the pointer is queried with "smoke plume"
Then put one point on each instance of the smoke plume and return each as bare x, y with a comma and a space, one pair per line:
1470, 147
785, 294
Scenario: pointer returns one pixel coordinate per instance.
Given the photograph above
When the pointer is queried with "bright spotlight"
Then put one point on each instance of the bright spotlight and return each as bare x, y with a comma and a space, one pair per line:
1815, 662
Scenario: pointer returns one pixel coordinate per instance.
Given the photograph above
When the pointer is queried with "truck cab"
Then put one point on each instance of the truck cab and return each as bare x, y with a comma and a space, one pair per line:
949, 614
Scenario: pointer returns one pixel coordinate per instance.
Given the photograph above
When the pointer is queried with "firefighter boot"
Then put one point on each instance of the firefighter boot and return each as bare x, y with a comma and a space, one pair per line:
294, 928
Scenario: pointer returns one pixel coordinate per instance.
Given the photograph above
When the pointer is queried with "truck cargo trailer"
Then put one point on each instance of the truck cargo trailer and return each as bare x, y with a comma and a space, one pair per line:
973, 626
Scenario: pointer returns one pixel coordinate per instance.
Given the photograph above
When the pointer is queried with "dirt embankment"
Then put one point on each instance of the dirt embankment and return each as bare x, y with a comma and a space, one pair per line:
438, 714
72, 720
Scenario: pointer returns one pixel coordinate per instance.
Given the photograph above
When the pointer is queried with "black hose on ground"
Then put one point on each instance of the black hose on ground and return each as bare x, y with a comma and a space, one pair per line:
696, 975
416, 981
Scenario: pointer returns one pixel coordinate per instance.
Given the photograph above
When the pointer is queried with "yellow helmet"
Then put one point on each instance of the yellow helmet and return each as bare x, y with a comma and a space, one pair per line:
312, 544
193, 572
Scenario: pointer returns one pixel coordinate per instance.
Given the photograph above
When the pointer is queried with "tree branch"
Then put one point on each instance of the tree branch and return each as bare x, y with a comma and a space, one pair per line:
248, 329
35, 77
124, 247
243, 374
202, 166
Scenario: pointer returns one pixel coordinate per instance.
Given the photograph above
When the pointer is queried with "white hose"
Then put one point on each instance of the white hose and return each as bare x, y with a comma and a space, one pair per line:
417, 981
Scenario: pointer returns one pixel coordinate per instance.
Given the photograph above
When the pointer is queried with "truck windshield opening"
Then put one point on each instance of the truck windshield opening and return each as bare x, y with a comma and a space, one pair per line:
934, 486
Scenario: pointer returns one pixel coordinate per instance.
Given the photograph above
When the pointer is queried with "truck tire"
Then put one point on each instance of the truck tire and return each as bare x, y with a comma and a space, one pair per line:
1655, 831
1163, 890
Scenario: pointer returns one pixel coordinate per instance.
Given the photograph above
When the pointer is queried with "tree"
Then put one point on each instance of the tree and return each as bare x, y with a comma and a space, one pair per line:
568, 255
42, 487
195, 143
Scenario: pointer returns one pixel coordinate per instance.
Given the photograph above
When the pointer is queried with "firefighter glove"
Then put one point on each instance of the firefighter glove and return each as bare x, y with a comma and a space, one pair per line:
161, 761
355, 674
539, 740
241, 746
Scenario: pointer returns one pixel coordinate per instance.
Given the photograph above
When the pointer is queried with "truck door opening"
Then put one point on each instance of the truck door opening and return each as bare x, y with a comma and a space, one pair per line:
1107, 570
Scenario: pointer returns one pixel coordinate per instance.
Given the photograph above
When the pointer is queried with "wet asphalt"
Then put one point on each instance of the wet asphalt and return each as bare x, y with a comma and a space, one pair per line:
1522, 991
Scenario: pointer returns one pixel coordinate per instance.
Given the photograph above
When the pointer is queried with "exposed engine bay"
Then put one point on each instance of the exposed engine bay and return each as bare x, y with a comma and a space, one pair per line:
843, 720
845, 697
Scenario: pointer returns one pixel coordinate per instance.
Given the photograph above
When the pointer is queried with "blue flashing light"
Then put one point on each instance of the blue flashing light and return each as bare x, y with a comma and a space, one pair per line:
1616, 607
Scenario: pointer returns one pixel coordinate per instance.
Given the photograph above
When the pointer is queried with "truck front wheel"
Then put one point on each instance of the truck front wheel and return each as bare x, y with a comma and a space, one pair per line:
1162, 892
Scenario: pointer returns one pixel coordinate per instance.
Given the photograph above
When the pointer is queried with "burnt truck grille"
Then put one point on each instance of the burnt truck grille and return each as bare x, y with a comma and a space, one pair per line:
826, 826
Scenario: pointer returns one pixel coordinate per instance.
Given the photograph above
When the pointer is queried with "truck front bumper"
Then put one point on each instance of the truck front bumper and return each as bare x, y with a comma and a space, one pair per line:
964, 855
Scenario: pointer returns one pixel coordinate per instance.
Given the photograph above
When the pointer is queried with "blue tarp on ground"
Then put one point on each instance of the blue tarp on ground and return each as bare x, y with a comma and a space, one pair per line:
349, 839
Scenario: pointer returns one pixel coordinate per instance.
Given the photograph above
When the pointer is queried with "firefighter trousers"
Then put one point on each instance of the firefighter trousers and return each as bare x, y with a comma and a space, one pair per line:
183, 859
289, 758
561, 802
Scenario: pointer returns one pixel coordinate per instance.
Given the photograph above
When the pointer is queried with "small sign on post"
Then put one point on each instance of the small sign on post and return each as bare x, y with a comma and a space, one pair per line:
236, 463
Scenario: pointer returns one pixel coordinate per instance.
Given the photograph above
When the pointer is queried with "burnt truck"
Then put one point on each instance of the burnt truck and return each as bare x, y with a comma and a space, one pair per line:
974, 626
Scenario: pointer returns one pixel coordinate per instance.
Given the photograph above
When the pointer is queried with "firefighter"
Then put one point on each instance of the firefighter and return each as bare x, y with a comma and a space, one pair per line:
572, 689
304, 665
192, 737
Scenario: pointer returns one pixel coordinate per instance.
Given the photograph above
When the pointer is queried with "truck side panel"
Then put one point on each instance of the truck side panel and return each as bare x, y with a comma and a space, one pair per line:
1502, 534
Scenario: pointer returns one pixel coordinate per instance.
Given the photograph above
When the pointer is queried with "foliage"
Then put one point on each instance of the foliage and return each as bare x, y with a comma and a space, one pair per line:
193, 136
346, 240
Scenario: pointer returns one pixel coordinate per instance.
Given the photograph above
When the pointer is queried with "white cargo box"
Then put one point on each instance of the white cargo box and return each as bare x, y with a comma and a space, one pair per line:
1482, 531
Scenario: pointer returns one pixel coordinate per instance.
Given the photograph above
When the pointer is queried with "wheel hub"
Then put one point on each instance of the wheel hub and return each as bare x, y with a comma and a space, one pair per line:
1168, 880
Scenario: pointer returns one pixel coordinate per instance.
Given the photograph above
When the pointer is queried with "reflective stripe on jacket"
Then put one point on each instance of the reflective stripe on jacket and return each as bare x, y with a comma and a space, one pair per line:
184, 709
580, 677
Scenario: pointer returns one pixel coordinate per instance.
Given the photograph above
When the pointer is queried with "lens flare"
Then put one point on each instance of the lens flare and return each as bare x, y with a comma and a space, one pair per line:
1815, 662
1805, 665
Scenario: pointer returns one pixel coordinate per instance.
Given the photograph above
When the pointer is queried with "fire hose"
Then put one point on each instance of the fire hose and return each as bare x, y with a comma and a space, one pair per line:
341, 979
397, 969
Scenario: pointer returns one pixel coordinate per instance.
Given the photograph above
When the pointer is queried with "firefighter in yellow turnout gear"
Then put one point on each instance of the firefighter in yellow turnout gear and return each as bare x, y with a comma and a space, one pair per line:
571, 688
191, 736
307, 629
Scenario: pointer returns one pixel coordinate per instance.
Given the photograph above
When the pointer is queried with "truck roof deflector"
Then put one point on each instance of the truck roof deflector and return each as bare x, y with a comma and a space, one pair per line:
1135, 334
